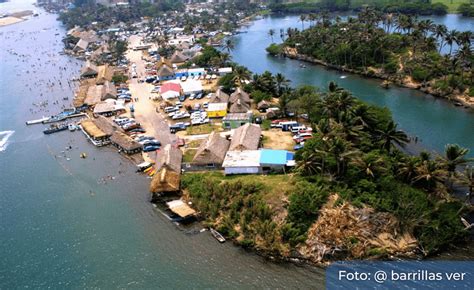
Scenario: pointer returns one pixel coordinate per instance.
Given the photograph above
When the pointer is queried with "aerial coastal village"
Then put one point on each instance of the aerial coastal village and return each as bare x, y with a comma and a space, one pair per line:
300, 174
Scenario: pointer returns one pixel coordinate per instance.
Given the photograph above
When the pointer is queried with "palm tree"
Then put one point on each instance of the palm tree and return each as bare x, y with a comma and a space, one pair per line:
271, 32
391, 135
302, 19
371, 164
281, 82
229, 45
407, 168
440, 33
241, 74
450, 39
429, 175
454, 156
342, 152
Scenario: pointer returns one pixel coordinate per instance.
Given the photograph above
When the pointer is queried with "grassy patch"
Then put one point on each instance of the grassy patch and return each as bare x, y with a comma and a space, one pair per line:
189, 155
202, 129
452, 4
194, 143
266, 124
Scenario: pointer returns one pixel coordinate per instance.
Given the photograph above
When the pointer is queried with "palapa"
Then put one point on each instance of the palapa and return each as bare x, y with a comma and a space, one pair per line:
239, 94
91, 128
125, 143
246, 137
165, 180
239, 107
178, 57
169, 157
220, 97
89, 70
212, 151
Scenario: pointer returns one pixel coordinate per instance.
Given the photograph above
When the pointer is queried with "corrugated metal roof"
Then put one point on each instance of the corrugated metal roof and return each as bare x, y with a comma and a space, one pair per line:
247, 158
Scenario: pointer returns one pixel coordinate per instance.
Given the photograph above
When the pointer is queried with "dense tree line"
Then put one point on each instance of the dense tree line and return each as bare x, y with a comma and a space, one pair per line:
396, 46
419, 7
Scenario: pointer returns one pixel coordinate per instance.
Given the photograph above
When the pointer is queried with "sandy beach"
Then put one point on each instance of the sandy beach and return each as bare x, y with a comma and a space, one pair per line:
10, 20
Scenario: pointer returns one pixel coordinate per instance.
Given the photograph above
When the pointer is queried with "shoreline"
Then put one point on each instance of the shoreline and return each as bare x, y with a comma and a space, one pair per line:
457, 100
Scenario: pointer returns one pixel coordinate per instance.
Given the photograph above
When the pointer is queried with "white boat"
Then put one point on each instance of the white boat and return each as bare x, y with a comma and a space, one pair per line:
38, 121
217, 235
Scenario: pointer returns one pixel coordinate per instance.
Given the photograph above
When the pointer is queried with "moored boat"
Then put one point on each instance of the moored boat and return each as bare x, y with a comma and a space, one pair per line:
32, 122
218, 236
55, 128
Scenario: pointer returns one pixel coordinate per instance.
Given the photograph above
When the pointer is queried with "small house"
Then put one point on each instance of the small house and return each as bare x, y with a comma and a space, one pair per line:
98, 130
212, 152
93, 95
275, 160
181, 209
246, 137
242, 162
235, 120
109, 108
217, 110
125, 143
170, 90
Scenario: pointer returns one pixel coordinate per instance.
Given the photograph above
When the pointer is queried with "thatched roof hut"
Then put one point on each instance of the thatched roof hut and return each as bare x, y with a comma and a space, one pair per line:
178, 57
109, 91
165, 71
106, 125
89, 70
246, 137
239, 94
125, 143
220, 97
105, 74
91, 128
170, 157
93, 95
239, 107
212, 151
81, 45
263, 105
165, 180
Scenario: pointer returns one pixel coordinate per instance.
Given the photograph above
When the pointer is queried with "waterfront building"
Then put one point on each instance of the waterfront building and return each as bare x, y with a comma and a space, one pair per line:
125, 143
168, 178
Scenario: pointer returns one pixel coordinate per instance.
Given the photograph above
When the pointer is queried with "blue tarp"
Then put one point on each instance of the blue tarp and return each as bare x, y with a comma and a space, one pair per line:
275, 157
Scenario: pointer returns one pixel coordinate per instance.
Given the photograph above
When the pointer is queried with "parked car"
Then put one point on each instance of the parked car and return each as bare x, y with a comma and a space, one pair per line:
192, 96
171, 109
138, 130
302, 135
258, 120
205, 105
150, 148
182, 98
153, 142
180, 115
298, 146
199, 96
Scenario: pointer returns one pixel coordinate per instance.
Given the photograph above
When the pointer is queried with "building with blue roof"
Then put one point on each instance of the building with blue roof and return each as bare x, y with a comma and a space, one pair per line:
257, 161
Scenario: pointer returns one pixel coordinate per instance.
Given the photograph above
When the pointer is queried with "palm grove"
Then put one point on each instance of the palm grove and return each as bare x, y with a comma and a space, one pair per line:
357, 153
398, 48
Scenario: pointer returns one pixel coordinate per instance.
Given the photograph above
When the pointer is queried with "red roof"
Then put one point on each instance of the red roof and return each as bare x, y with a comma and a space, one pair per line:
170, 87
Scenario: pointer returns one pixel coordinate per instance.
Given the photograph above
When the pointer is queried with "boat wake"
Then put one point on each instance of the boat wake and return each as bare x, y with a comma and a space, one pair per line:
4, 142
343, 77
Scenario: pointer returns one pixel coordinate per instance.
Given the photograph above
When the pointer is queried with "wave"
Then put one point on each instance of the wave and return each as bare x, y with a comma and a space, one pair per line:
4, 142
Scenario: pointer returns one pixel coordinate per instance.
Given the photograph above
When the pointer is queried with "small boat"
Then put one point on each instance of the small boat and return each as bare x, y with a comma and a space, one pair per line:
72, 127
458, 104
32, 122
54, 119
55, 128
217, 235
83, 155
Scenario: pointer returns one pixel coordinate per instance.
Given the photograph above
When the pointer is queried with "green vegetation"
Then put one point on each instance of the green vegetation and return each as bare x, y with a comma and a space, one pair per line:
420, 7
202, 129
466, 9
391, 47
87, 12
189, 155
119, 78
356, 154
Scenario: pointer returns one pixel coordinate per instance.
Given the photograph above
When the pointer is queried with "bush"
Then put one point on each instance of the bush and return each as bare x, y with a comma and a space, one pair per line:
274, 49
420, 74
259, 96
391, 67
119, 78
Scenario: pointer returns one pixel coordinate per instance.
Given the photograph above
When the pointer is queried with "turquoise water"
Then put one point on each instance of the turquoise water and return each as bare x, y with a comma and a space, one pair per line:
62, 226
435, 121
